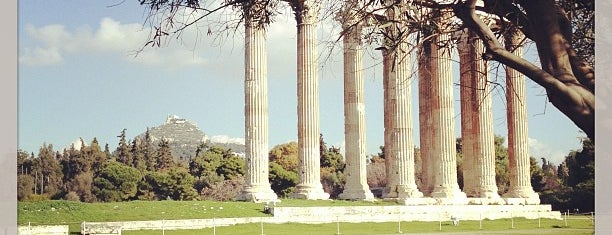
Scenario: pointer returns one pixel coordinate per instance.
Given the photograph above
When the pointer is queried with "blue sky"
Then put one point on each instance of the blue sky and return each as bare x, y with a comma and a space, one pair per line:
78, 77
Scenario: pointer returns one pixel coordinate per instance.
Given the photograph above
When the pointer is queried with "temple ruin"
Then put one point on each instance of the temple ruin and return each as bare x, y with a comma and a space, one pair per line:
436, 117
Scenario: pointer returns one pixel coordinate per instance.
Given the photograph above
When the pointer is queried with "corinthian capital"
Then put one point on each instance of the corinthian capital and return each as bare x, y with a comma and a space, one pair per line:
306, 11
257, 13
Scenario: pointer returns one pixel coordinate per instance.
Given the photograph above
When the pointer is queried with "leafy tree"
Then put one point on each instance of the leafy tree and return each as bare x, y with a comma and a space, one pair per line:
138, 155
332, 158
551, 181
563, 173
283, 168
175, 184
581, 177
282, 181
107, 152
224, 191
537, 175
332, 181
332, 167
81, 185
164, 156
96, 155
232, 167
182, 187
48, 171
376, 172
205, 165
122, 154
286, 155
502, 170
116, 182
148, 152
25, 186
80, 160
24, 163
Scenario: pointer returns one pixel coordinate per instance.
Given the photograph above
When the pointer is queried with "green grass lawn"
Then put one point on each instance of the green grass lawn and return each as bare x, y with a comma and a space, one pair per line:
502, 226
73, 213
61, 212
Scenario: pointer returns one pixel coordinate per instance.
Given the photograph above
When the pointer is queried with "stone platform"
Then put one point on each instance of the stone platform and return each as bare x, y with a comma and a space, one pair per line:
350, 214
359, 214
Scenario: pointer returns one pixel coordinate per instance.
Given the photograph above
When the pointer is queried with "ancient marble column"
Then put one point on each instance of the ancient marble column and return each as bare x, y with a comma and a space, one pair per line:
446, 190
309, 185
388, 119
520, 191
478, 142
425, 123
401, 175
356, 187
468, 101
257, 186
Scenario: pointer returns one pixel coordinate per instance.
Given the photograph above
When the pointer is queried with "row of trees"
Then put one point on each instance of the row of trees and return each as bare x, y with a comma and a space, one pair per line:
133, 171
141, 171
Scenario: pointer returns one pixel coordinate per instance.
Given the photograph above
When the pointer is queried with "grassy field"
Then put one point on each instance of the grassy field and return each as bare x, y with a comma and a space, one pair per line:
73, 213
58, 212
504, 226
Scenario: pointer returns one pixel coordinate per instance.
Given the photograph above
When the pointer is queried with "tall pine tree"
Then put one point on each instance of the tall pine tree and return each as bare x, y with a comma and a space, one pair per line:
164, 156
123, 154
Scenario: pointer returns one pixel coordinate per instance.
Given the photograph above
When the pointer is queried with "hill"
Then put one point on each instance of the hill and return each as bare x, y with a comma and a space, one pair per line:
184, 136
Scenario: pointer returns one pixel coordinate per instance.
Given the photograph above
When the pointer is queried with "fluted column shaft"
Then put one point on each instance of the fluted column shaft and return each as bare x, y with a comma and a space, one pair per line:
468, 101
425, 123
477, 121
309, 186
442, 105
257, 186
518, 145
389, 145
400, 173
356, 186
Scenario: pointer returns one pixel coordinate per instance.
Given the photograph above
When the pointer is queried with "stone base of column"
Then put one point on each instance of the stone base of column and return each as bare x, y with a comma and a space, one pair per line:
525, 196
523, 201
310, 193
403, 192
487, 194
357, 194
448, 196
257, 194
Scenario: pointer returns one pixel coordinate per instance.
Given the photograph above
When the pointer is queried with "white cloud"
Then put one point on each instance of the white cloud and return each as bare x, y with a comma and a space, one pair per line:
111, 37
224, 139
40, 56
539, 149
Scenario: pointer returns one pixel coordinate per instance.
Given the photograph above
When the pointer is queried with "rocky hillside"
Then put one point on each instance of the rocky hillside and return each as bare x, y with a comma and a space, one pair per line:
184, 137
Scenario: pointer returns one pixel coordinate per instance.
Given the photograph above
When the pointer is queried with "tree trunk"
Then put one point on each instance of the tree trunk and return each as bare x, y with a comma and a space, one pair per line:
564, 90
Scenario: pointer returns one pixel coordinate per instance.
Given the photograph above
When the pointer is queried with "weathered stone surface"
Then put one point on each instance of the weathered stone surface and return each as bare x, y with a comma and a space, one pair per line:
518, 142
446, 190
400, 151
356, 187
353, 214
257, 186
425, 122
478, 143
43, 230
309, 185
